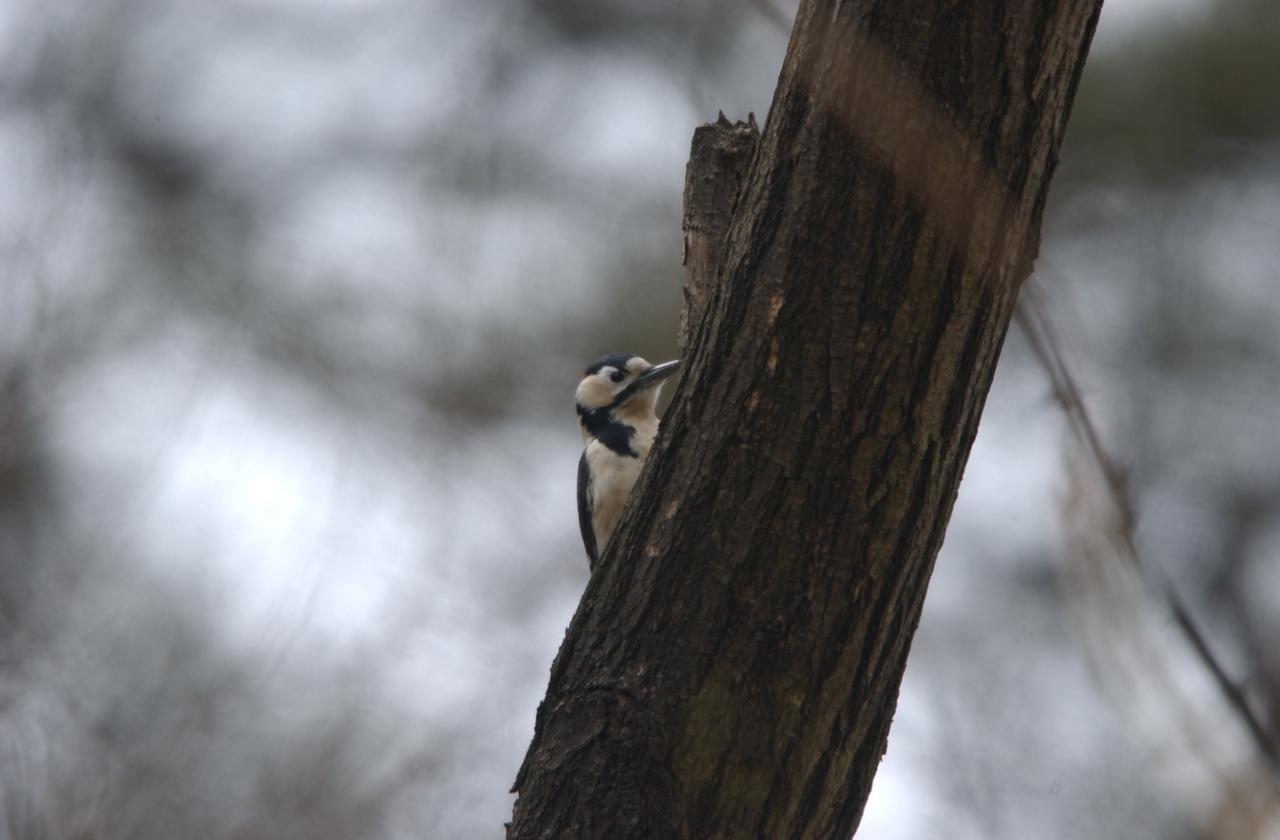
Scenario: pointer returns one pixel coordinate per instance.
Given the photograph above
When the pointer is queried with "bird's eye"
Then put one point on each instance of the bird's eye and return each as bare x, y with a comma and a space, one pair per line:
617, 376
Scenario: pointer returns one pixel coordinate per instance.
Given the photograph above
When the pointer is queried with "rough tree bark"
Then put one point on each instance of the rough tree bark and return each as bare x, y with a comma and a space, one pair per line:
718, 166
733, 667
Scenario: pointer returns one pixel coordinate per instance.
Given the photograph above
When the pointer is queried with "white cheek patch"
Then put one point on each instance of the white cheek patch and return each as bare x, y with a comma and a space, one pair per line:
595, 391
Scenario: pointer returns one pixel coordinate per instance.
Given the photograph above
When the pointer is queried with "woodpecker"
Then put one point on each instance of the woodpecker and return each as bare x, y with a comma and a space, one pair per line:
616, 400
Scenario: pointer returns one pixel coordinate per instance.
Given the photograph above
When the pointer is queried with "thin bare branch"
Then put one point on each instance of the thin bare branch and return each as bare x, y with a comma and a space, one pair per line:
1032, 319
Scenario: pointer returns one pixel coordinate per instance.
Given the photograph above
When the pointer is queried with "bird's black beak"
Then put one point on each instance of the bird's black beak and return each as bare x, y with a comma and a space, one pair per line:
655, 374
646, 380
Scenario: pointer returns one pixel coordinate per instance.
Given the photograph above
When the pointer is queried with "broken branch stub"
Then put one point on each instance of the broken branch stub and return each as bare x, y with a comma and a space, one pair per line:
718, 164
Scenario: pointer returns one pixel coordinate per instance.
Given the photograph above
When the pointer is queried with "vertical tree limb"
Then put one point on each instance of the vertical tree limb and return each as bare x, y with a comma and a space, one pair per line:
733, 667
717, 170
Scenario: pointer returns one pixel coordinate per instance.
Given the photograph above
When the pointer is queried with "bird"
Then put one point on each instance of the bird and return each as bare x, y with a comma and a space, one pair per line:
616, 402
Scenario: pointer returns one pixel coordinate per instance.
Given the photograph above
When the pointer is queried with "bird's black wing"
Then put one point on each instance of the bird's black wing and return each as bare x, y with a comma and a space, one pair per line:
584, 511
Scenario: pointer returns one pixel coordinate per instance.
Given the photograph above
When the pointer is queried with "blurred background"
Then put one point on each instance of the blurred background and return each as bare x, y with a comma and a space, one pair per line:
295, 296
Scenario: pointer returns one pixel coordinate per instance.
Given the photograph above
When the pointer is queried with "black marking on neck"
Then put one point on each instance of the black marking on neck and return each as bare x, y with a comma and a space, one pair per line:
601, 425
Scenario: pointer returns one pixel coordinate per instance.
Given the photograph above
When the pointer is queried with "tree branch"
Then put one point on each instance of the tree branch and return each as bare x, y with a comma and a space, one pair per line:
1045, 347
734, 664
718, 164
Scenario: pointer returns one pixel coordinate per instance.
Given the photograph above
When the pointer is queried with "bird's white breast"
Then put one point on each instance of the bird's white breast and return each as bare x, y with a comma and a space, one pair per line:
612, 477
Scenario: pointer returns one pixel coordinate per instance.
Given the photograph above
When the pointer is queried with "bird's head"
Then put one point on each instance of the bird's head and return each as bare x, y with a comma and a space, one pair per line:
622, 384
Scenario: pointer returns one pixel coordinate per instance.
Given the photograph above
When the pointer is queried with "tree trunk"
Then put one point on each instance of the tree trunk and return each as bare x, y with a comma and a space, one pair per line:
734, 665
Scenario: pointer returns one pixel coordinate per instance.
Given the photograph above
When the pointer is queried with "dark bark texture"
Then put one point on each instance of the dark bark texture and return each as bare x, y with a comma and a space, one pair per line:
733, 667
718, 166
